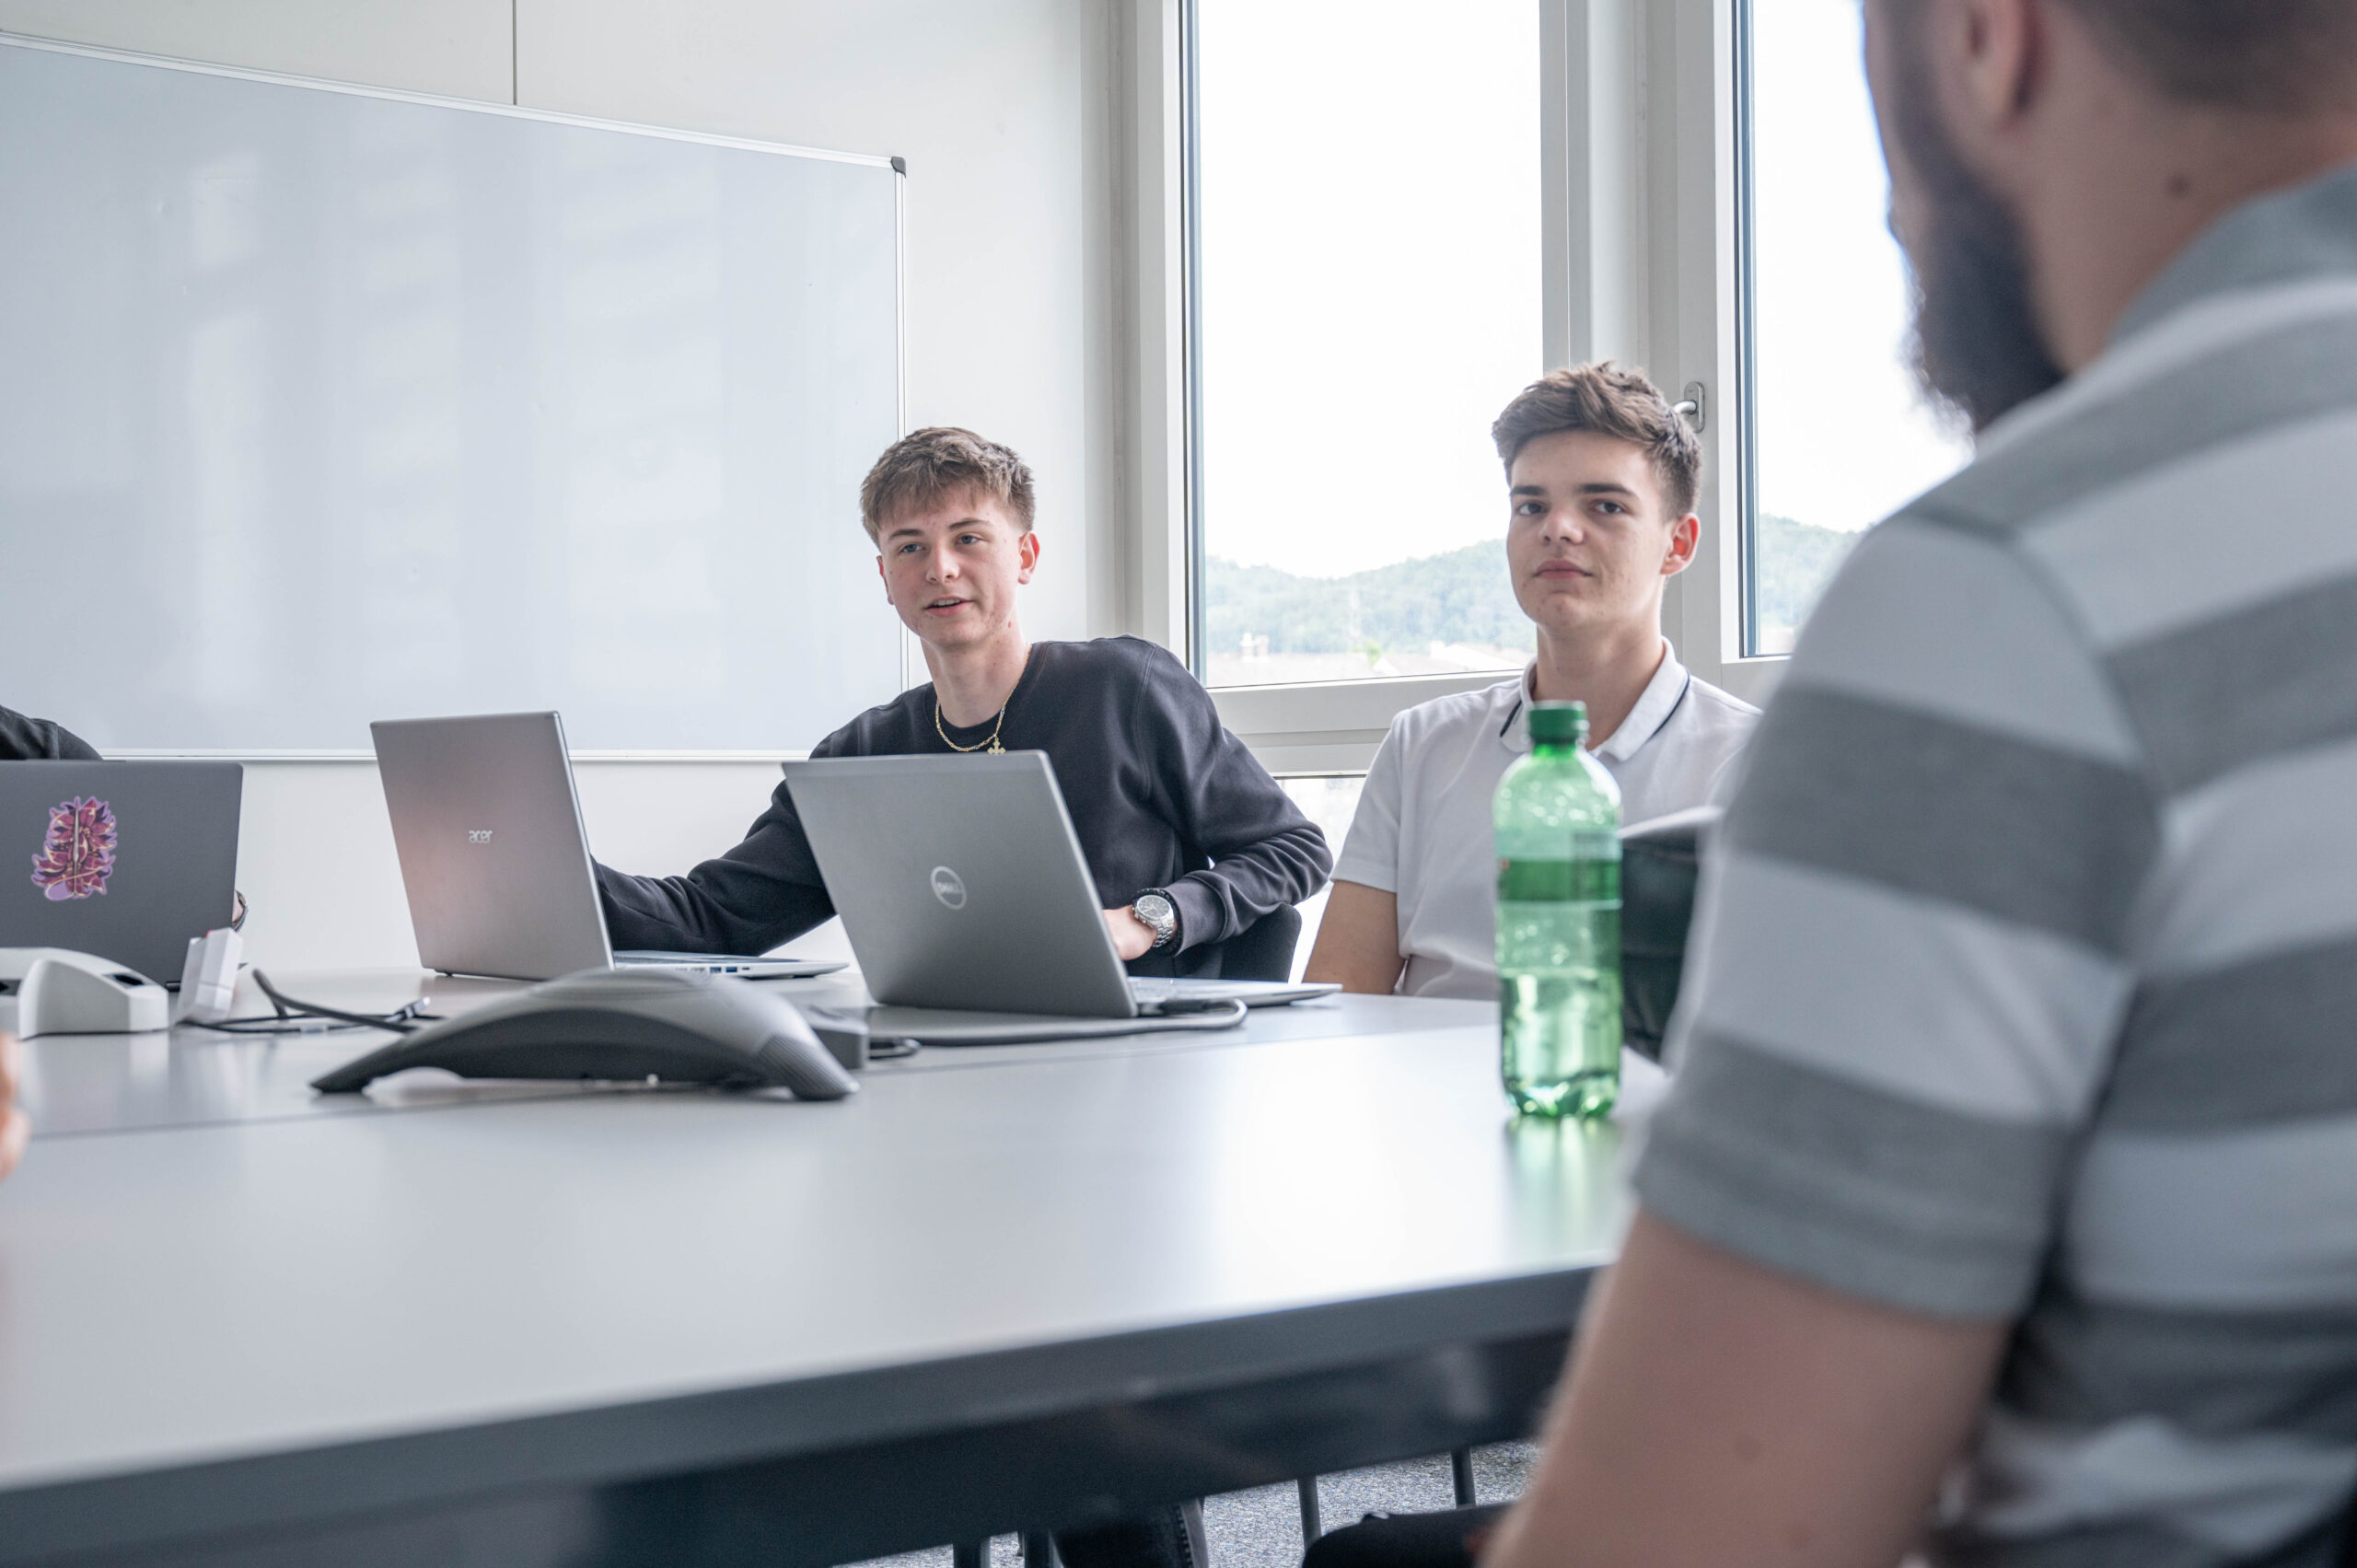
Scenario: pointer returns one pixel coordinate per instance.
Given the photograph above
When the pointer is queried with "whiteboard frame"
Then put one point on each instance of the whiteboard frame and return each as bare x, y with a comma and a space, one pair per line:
910, 656
356, 754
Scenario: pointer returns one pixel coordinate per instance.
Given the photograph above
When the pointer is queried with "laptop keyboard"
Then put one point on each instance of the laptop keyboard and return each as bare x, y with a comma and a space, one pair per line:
1150, 989
715, 963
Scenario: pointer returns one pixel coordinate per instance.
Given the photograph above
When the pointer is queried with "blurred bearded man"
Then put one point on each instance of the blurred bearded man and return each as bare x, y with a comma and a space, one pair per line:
2015, 1117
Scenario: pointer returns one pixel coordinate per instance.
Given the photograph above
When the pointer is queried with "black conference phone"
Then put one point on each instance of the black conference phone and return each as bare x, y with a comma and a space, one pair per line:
673, 1026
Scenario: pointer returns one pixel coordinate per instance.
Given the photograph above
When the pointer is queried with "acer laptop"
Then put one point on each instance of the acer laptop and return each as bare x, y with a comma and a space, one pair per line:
494, 859
962, 888
126, 861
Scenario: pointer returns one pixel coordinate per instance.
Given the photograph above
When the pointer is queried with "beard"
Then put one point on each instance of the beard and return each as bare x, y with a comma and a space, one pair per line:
1977, 346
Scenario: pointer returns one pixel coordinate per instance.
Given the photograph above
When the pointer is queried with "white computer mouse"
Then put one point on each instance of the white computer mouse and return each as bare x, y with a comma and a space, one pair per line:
52, 991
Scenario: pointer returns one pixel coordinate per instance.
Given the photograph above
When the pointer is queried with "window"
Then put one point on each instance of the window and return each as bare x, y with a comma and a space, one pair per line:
1836, 436
1365, 240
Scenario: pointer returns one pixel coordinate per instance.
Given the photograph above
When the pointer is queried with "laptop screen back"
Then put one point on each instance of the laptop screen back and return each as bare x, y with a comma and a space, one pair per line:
960, 884
124, 860
492, 854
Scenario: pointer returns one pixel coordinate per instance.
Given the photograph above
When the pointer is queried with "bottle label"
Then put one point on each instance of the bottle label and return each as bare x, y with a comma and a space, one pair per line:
1520, 842
1583, 881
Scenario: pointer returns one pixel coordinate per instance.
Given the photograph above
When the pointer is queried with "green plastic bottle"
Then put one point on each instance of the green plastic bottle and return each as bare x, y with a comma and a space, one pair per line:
1557, 817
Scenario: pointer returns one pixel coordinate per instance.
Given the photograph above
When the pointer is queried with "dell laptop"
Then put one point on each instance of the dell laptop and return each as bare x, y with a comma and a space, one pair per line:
494, 859
961, 886
126, 861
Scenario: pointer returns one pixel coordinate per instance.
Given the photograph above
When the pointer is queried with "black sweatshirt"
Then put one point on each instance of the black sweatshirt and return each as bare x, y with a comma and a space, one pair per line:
39, 740
1160, 796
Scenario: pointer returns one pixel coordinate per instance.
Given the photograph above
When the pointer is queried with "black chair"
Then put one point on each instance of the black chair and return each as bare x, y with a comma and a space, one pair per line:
1452, 1538
1419, 1537
1263, 950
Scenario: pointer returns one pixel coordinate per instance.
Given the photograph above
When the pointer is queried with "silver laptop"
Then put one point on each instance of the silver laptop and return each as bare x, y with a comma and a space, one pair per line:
494, 859
961, 886
123, 860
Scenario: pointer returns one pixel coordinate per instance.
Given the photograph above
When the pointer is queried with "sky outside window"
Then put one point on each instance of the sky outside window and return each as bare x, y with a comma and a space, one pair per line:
1369, 235
1845, 437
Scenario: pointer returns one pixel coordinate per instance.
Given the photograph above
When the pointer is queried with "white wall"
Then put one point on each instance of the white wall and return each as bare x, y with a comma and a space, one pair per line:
458, 48
1002, 109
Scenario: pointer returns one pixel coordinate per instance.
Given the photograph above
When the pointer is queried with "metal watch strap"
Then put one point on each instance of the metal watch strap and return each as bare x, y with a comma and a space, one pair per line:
1164, 934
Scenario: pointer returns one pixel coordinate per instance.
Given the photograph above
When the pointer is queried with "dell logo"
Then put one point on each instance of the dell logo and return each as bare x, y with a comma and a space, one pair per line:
478, 835
949, 888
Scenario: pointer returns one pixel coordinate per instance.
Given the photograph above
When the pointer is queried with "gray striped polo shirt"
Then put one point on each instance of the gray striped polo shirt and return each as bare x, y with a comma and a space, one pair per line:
2024, 980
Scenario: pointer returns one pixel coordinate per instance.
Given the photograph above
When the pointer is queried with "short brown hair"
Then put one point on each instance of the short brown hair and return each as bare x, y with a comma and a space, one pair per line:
926, 467
1610, 402
2265, 56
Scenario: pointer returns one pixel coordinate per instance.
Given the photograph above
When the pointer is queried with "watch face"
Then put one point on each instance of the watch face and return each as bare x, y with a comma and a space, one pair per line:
1155, 910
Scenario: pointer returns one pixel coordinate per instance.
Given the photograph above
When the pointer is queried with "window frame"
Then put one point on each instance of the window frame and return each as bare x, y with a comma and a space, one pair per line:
1745, 325
1643, 165
1191, 266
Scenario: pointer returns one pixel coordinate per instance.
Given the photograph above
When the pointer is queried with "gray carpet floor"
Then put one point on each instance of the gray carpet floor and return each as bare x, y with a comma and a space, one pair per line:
1261, 1529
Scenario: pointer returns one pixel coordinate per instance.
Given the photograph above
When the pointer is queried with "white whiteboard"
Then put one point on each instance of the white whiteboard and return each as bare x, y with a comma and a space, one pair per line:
321, 405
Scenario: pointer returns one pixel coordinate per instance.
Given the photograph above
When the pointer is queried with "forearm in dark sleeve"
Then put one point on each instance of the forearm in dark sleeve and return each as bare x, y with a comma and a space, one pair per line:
707, 910
1250, 880
1264, 852
765, 892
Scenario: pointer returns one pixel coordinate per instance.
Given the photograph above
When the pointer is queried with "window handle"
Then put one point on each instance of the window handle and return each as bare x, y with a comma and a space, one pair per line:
1693, 404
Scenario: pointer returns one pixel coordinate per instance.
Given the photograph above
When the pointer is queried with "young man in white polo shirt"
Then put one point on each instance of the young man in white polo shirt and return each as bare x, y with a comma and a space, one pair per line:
1601, 476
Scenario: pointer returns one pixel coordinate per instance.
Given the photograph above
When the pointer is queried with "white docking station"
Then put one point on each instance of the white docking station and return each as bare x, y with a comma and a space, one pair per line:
49, 991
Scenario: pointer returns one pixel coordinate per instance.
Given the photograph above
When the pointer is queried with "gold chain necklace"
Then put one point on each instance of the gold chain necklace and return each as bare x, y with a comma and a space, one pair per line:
990, 745
995, 724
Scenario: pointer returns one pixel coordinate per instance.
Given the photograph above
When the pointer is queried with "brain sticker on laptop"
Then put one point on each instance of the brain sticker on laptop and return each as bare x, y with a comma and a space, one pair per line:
77, 855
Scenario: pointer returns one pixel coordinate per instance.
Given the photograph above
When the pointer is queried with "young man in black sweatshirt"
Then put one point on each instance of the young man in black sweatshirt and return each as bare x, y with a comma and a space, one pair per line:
1188, 838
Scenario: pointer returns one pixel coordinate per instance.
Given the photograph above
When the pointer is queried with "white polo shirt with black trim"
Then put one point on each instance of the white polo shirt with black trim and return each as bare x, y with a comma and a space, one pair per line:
1423, 831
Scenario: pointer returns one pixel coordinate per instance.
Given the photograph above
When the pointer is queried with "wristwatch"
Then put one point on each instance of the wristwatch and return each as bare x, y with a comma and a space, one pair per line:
1158, 914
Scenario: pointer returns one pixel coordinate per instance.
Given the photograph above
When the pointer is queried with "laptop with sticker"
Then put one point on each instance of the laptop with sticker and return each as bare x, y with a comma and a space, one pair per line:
123, 860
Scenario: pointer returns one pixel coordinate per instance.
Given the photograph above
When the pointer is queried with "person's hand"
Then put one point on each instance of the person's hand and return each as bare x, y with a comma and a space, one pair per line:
1132, 937
14, 1131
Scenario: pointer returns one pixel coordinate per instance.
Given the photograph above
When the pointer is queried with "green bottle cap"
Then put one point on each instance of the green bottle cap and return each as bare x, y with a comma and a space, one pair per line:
1557, 724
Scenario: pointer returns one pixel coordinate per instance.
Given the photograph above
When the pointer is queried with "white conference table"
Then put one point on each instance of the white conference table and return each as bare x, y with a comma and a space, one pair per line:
1020, 1287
